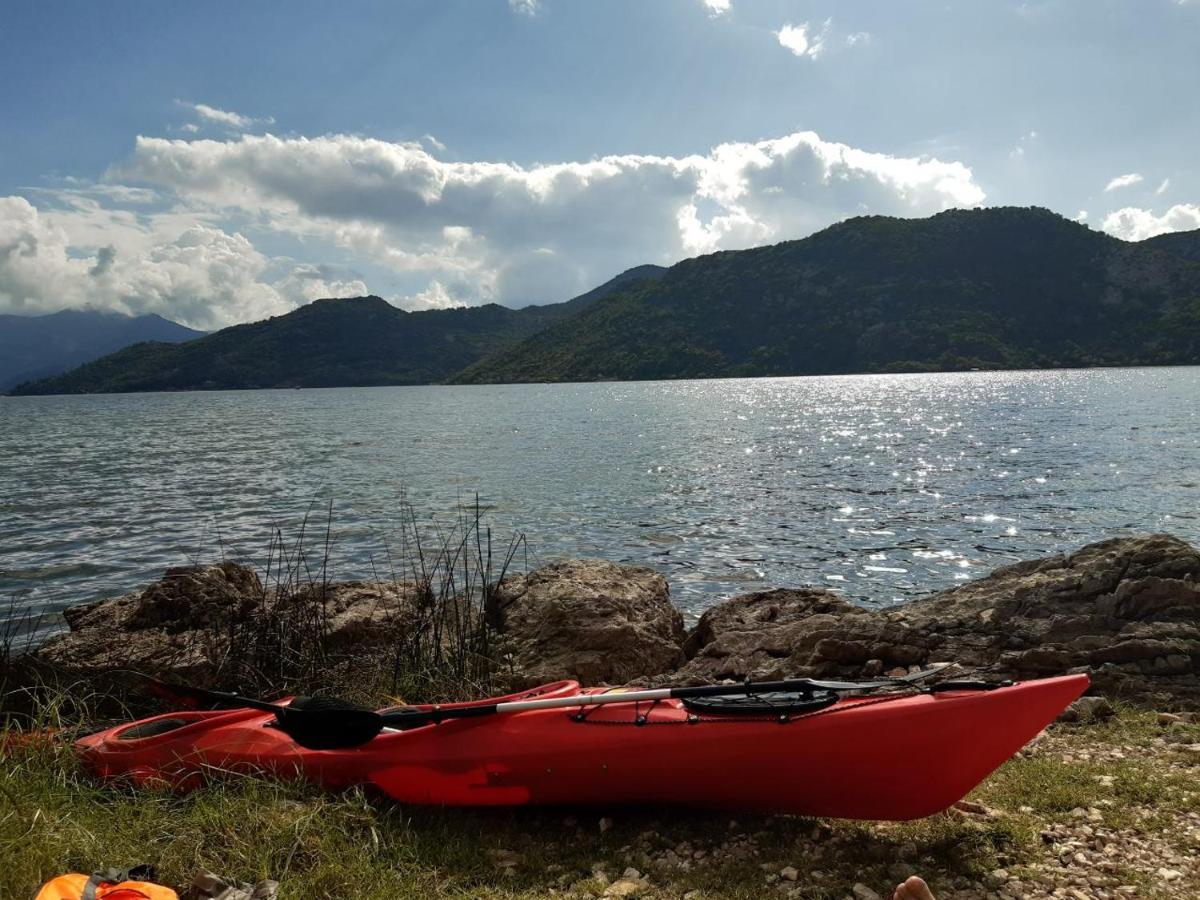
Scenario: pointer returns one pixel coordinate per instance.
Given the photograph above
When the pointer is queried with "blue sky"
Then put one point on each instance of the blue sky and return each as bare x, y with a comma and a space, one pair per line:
218, 163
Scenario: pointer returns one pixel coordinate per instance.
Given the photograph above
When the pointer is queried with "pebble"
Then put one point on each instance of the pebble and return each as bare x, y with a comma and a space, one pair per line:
789, 873
625, 887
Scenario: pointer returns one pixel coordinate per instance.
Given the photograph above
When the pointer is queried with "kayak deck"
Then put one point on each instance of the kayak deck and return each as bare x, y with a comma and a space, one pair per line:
890, 756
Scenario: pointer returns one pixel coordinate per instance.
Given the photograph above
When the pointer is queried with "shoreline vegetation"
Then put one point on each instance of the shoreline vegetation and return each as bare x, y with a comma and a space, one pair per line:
1003, 288
1104, 804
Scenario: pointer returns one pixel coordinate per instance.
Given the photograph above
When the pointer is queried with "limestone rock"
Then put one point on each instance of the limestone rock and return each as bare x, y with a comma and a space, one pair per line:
588, 619
182, 625
170, 627
1127, 611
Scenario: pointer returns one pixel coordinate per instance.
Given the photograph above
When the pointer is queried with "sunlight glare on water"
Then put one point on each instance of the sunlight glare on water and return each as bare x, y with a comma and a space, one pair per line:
879, 487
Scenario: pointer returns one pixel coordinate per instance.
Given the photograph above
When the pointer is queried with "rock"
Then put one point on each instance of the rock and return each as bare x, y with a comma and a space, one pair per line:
1126, 611
789, 873
605, 825
624, 887
1088, 709
183, 625
591, 620
175, 626
862, 892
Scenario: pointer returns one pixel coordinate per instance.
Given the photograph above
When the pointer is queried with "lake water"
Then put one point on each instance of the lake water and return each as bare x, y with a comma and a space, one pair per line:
880, 487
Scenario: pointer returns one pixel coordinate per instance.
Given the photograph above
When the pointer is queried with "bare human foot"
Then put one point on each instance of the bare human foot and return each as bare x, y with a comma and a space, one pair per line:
914, 888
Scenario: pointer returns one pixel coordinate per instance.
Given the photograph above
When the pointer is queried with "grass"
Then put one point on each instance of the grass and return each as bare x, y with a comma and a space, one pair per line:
54, 818
1131, 779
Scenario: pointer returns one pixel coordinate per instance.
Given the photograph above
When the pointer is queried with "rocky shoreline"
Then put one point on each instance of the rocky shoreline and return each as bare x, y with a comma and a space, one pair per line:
1127, 611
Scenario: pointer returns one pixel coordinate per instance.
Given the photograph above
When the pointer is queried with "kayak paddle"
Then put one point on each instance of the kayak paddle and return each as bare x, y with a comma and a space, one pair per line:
320, 723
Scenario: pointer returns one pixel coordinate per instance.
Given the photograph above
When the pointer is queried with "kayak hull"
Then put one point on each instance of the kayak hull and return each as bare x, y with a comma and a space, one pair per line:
884, 757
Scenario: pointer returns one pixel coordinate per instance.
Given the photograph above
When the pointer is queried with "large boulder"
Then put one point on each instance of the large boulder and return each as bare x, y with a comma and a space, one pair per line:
1125, 610
190, 622
588, 619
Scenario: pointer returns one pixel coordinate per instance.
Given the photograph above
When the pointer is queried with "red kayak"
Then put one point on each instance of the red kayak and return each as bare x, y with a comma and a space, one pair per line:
888, 756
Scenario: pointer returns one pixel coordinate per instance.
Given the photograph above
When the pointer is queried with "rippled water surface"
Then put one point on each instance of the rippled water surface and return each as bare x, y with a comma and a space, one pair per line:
881, 487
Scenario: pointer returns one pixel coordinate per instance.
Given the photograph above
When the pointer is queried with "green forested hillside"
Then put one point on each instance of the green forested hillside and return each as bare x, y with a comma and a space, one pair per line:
361, 341
990, 288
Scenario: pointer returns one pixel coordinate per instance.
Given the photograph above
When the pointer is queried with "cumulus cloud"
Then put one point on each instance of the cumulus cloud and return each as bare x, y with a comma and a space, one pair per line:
803, 40
1123, 181
524, 7
164, 232
202, 276
716, 7
1135, 224
540, 233
307, 282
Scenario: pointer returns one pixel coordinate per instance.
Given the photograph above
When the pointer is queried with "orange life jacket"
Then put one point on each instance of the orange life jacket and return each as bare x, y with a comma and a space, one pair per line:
108, 885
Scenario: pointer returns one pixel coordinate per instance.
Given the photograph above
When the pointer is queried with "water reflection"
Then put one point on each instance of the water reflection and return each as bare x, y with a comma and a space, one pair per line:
881, 487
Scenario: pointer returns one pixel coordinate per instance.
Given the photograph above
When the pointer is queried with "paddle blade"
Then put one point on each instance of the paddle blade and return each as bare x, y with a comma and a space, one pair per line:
326, 723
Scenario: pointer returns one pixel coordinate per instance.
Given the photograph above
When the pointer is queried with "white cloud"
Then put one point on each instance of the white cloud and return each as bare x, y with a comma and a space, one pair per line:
542, 233
434, 143
802, 40
717, 7
203, 277
524, 7
436, 296
1135, 224
164, 232
1162, 188
1123, 181
1081, 216
306, 283
1024, 141
857, 38
223, 117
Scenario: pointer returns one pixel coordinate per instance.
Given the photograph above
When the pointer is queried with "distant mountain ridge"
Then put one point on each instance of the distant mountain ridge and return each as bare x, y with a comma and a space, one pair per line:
996, 288
39, 346
344, 342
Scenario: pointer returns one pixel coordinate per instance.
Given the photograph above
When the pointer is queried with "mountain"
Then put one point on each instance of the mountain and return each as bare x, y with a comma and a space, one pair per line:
985, 288
39, 346
359, 341
1180, 243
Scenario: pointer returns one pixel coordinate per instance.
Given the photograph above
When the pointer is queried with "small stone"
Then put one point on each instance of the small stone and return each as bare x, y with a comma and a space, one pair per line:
606, 825
624, 887
996, 878
1165, 718
862, 892
1169, 874
1088, 709
789, 873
